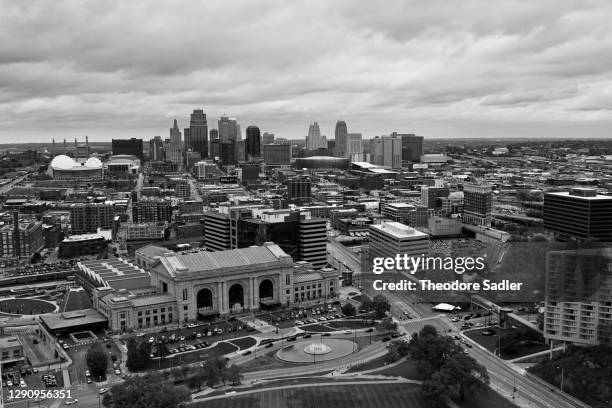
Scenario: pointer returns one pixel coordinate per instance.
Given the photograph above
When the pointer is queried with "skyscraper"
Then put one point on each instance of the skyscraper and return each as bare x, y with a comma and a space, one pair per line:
580, 213
386, 151
175, 147
196, 136
131, 146
340, 137
267, 138
412, 147
353, 147
477, 204
578, 306
214, 134
228, 129
253, 142
156, 149
314, 140
277, 154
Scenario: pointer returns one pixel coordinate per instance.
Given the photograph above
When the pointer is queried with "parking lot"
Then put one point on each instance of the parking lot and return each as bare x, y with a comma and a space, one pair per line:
77, 352
32, 379
301, 316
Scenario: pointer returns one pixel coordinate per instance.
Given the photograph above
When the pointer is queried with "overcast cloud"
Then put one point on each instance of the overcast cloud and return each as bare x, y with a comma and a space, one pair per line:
437, 68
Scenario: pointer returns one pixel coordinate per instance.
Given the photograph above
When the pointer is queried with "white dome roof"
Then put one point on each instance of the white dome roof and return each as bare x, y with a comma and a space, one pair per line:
62, 162
93, 162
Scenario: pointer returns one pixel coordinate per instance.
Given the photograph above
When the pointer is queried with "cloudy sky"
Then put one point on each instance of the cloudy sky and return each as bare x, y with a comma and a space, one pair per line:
477, 69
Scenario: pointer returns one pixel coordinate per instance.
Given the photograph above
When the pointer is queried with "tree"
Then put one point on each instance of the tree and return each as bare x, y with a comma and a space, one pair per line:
348, 309
386, 325
234, 374
434, 394
97, 361
196, 380
37, 257
138, 355
463, 377
431, 350
381, 306
149, 391
397, 349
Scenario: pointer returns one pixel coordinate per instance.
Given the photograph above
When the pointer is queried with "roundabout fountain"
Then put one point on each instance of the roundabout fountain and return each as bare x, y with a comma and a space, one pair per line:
308, 351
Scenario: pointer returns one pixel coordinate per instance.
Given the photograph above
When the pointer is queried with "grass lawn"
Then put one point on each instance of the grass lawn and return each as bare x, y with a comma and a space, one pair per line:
175, 360
336, 396
243, 343
76, 300
265, 361
407, 369
369, 365
491, 342
316, 328
25, 306
349, 324
491, 399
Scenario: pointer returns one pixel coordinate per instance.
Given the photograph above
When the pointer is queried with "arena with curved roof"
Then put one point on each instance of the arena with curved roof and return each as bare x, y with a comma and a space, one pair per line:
322, 162
63, 167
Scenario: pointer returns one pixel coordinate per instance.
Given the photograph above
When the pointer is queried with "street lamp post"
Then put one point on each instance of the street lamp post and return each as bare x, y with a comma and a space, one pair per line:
562, 375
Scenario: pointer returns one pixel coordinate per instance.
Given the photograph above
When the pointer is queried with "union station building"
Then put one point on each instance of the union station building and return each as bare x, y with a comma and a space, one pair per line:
191, 285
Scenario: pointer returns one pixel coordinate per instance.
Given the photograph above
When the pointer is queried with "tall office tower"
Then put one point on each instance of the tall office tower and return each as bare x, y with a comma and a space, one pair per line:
412, 147
314, 140
215, 149
430, 196
312, 240
228, 129
131, 146
152, 209
299, 190
389, 239
340, 137
196, 135
175, 152
386, 151
227, 153
21, 239
253, 142
580, 213
240, 146
214, 134
578, 301
156, 149
87, 218
216, 231
267, 138
477, 204
354, 147
277, 154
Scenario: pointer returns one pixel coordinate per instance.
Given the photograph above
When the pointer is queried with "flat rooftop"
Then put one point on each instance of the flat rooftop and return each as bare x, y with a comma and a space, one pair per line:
398, 230
112, 270
77, 318
581, 197
9, 341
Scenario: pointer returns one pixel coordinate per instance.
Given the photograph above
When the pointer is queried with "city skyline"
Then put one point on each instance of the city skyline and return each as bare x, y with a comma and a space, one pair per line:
519, 70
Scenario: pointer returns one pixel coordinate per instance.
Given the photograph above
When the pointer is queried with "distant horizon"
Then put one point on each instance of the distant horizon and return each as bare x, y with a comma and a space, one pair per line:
70, 142
519, 69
